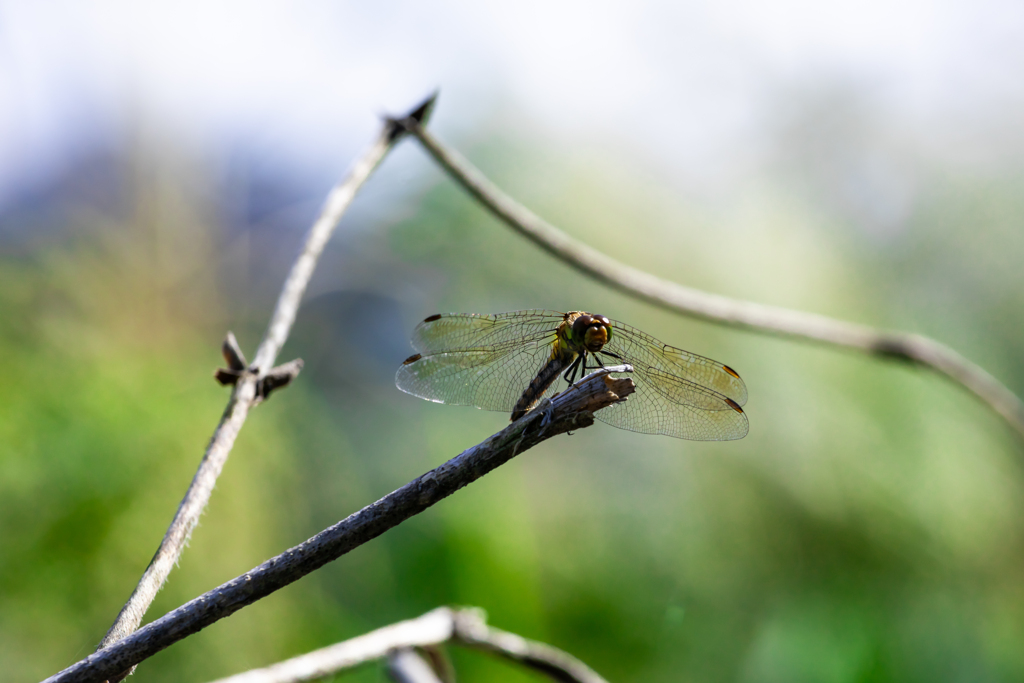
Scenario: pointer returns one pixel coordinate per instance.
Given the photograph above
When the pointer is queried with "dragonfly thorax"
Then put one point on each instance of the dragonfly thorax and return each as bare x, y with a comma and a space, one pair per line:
591, 332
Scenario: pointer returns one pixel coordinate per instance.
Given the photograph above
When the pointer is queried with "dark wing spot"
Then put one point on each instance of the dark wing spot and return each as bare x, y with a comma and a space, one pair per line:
731, 371
732, 404
436, 316
412, 359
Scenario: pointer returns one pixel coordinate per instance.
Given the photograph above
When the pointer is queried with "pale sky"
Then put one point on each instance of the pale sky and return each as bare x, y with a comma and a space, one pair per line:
689, 82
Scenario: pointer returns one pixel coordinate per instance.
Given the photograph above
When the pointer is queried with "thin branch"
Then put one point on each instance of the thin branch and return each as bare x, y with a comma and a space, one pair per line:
465, 626
433, 628
570, 410
719, 309
250, 385
473, 631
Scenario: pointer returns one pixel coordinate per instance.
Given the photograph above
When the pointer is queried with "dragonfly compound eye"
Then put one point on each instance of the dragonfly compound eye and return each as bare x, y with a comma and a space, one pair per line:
581, 325
596, 335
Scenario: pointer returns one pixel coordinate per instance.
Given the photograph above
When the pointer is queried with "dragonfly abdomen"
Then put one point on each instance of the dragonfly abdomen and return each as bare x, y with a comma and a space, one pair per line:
540, 383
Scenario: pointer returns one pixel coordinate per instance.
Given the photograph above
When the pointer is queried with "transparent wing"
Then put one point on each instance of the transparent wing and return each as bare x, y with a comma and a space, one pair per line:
492, 378
451, 331
658, 407
488, 361
644, 350
678, 393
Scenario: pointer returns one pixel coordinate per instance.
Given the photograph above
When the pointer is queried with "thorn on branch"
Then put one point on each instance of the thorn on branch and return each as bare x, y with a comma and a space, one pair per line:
420, 115
233, 353
226, 377
235, 359
278, 377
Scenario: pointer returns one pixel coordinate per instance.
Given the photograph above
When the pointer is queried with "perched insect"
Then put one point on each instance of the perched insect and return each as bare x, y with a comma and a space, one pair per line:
510, 361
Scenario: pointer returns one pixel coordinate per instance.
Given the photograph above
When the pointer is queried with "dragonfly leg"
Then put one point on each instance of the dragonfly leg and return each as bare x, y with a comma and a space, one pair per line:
613, 355
572, 369
585, 367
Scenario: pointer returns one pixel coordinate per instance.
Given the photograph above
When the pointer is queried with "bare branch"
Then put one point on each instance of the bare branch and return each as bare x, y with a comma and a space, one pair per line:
465, 626
251, 385
570, 410
473, 631
433, 628
720, 309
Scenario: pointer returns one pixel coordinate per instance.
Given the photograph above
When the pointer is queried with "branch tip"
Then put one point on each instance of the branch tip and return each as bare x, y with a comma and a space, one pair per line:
399, 125
226, 377
421, 114
233, 355
235, 359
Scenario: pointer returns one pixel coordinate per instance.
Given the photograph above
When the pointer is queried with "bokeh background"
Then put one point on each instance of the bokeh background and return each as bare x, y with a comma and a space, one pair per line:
160, 162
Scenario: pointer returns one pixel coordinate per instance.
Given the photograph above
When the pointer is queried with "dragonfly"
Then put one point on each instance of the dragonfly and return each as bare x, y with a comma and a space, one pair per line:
511, 361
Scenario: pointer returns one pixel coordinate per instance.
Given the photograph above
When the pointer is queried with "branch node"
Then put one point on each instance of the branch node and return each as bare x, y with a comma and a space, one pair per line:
398, 126
278, 377
235, 359
893, 347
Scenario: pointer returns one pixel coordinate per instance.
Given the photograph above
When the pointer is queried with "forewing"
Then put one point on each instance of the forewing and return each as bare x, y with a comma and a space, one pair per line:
670, 405
492, 377
644, 351
460, 331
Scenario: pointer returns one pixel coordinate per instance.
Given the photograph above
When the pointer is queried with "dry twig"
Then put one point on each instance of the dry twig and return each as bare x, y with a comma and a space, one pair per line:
432, 628
471, 630
568, 411
715, 308
252, 383
465, 626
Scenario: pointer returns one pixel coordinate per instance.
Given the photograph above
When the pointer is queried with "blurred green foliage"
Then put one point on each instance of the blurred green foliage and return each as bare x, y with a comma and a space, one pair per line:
870, 527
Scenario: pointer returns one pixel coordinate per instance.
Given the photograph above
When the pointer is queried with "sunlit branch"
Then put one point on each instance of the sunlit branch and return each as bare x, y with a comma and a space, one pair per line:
571, 410
252, 383
465, 626
433, 628
720, 309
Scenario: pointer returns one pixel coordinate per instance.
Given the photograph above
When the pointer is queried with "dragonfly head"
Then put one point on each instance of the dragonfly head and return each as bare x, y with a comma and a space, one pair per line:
593, 331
